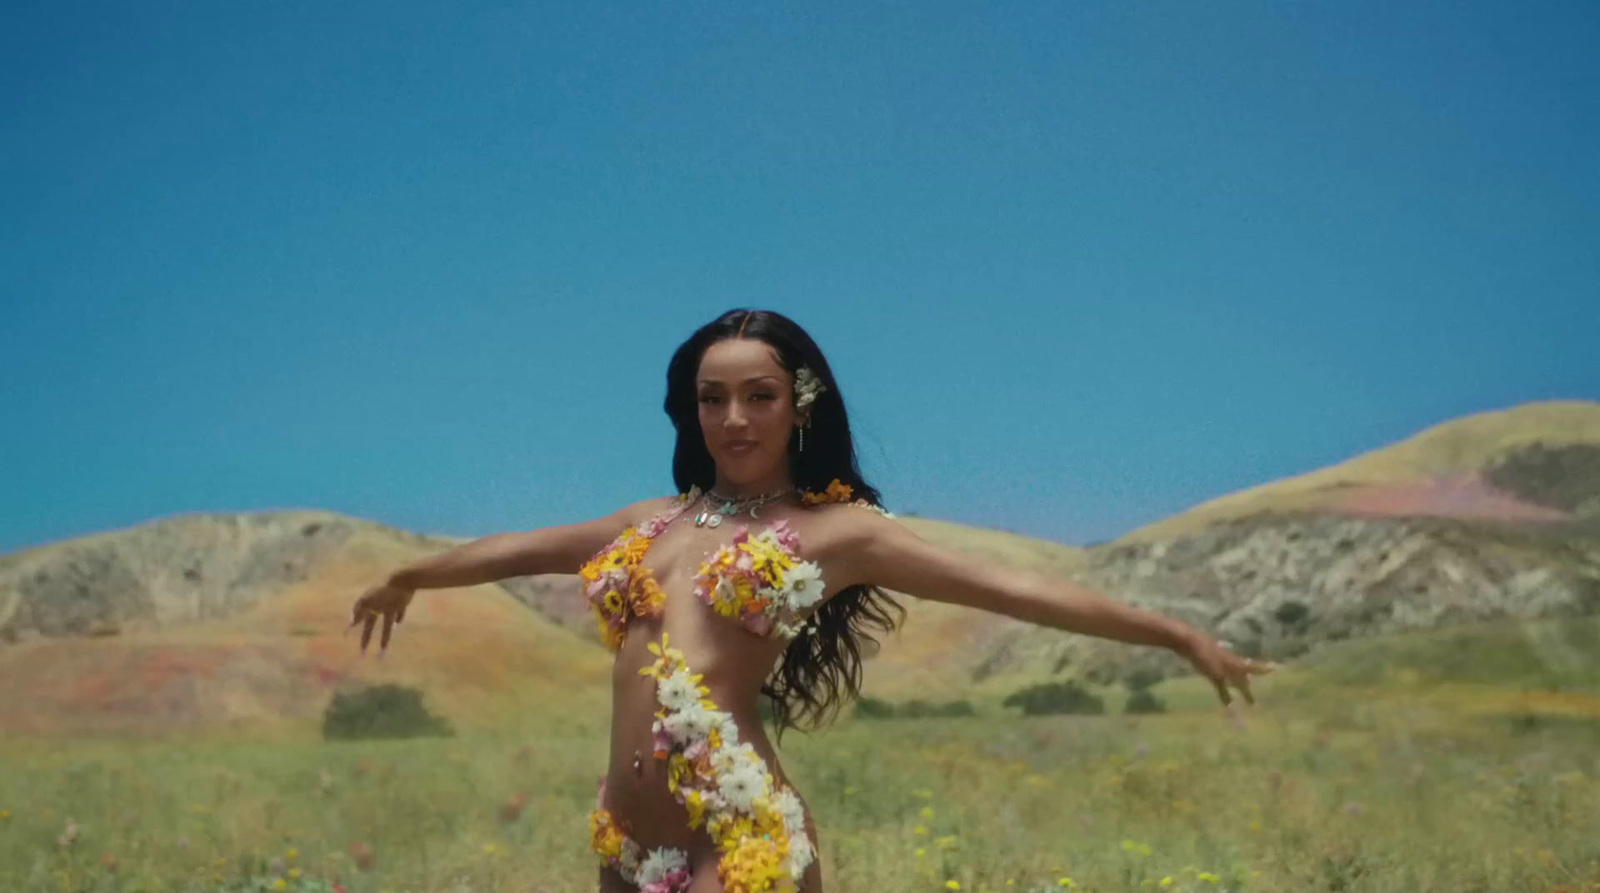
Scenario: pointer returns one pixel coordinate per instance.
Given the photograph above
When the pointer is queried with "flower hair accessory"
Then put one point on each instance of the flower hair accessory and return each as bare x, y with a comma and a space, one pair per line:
807, 386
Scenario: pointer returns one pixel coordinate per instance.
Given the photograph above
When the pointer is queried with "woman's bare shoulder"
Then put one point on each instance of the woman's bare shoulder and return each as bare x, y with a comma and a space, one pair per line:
840, 526
639, 512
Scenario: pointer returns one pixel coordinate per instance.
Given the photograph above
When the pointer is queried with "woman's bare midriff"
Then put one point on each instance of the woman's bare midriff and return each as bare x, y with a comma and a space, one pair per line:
734, 664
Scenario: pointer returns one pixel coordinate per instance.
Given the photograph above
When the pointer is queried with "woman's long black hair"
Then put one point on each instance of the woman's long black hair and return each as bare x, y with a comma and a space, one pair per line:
822, 666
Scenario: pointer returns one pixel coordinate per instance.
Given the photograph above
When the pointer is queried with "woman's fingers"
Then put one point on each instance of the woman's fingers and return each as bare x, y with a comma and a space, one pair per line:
388, 627
1222, 692
367, 625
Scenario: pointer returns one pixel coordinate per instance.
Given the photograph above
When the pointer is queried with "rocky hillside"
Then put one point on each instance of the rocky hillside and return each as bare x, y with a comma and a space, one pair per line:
1495, 516
1492, 516
221, 620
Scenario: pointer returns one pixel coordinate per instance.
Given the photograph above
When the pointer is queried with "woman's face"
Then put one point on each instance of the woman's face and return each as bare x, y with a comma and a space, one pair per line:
746, 402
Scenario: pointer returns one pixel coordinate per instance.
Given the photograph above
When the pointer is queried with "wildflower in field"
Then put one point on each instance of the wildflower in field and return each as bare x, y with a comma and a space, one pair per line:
69, 835
952, 884
511, 810
280, 884
1068, 883
294, 874
927, 812
490, 848
291, 854
363, 856
5, 815
109, 862
1208, 877
947, 843
921, 851
1166, 881
1131, 846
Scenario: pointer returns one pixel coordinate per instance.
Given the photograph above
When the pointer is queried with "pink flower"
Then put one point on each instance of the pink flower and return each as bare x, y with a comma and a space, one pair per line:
675, 881
786, 536
758, 623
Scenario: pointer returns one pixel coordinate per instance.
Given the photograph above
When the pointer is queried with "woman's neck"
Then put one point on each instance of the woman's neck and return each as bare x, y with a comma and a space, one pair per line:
774, 484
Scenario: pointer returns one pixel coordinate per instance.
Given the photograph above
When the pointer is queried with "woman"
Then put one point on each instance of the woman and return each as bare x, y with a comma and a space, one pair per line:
759, 578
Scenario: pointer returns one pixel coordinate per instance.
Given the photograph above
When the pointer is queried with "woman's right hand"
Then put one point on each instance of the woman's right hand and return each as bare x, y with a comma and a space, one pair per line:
383, 600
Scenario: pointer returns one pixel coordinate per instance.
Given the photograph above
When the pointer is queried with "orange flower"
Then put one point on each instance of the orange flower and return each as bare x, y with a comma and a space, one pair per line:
837, 491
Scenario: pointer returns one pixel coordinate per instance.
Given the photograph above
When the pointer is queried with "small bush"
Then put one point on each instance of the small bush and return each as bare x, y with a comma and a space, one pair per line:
1142, 701
1055, 697
381, 711
873, 708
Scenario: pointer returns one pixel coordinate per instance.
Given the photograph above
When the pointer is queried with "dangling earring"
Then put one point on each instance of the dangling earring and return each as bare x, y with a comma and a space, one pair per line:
802, 439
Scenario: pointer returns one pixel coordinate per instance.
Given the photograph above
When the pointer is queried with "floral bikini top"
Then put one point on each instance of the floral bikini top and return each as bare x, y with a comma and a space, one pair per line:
759, 579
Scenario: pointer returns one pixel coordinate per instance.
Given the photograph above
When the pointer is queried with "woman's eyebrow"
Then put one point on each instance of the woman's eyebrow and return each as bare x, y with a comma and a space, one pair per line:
718, 381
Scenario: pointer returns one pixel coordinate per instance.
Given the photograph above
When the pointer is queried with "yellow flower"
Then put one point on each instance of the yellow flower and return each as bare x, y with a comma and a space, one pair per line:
752, 866
952, 885
1067, 882
920, 829
280, 884
490, 848
1208, 877
294, 873
927, 812
947, 843
1166, 881
921, 851
5, 815
291, 854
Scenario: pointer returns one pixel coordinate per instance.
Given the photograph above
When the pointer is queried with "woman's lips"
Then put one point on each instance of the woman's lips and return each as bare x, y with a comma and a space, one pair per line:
739, 447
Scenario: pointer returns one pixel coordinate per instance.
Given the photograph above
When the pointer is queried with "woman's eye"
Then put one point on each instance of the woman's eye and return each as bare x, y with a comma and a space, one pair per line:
708, 398
761, 396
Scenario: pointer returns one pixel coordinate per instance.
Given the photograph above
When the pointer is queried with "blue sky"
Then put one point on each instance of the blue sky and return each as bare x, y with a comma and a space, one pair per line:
1078, 266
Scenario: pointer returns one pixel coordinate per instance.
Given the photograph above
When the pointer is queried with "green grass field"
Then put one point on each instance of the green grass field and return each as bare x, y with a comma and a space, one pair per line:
1399, 765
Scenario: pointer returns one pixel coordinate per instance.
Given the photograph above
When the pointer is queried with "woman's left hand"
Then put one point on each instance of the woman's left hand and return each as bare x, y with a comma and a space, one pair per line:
1224, 668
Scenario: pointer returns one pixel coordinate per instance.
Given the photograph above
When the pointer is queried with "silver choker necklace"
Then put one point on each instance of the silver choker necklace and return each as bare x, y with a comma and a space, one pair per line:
718, 506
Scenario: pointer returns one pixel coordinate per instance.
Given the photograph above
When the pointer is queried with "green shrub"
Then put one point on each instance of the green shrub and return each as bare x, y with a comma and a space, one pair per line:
1142, 701
1055, 697
873, 708
381, 711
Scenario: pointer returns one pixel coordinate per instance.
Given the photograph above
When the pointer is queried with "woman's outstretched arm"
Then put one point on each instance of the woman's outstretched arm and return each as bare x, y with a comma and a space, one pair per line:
548, 550
877, 550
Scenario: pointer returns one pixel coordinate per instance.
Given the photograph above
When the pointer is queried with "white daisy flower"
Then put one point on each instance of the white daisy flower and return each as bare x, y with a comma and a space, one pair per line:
630, 857
804, 584
679, 727
728, 758
725, 593
728, 729
793, 811
742, 786
678, 691
661, 862
800, 854
698, 721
